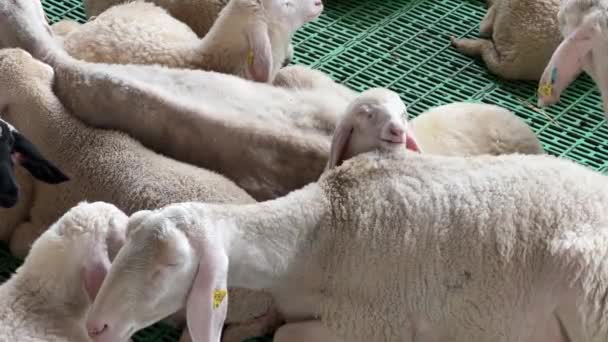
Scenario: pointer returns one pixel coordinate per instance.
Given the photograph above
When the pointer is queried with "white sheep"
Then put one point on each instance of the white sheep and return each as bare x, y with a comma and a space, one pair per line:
584, 26
199, 15
241, 120
467, 129
249, 38
375, 120
15, 148
49, 295
107, 166
267, 139
386, 247
517, 38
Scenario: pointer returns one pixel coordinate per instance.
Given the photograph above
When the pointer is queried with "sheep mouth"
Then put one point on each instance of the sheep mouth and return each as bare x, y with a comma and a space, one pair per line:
393, 142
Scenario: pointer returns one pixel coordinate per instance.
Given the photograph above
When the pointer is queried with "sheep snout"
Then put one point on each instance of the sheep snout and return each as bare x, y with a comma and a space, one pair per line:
393, 133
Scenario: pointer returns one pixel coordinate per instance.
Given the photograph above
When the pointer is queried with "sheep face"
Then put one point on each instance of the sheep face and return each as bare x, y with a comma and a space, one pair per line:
585, 48
294, 13
154, 275
373, 121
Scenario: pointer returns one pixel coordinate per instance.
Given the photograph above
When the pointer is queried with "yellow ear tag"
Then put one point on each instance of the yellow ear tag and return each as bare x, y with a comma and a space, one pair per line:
545, 89
250, 57
218, 297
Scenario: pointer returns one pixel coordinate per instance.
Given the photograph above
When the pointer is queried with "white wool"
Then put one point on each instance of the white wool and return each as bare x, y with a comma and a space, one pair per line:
467, 129
389, 247
105, 165
249, 38
517, 38
45, 299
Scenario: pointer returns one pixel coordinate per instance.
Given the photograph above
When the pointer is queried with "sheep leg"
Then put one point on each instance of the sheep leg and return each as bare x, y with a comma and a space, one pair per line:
484, 48
304, 332
486, 27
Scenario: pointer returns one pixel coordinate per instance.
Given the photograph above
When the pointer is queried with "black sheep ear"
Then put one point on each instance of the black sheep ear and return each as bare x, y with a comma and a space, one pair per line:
28, 156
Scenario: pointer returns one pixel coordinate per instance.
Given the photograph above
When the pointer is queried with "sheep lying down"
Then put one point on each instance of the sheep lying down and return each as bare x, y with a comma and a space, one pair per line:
250, 39
584, 25
387, 247
281, 136
199, 15
48, 297
112, 167
517, 38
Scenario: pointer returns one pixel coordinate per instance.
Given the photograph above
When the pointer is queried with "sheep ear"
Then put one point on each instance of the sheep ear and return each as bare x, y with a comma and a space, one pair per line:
566, 63
92, 276
339, 143
207, 302
259, 60
411, 143
28, 156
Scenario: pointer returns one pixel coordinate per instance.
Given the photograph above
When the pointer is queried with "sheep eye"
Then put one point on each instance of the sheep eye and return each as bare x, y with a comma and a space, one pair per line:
370, 116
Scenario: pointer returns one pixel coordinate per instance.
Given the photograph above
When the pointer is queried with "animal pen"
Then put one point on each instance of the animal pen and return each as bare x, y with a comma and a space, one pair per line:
405, 45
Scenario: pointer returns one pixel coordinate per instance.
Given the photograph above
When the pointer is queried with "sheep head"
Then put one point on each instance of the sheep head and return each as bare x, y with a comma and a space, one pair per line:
375, 120
81, 242
158, 271
584, 48
292, 13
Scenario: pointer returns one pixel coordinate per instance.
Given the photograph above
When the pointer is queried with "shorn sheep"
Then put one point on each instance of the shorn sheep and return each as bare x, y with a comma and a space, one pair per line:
107, 166
15, 148
584, 25
249, 38
468, 129
387, 247
375, 120
517, 38
49, 295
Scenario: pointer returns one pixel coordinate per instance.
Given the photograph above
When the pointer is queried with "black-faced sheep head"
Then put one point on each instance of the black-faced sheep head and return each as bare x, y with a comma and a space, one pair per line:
16, 148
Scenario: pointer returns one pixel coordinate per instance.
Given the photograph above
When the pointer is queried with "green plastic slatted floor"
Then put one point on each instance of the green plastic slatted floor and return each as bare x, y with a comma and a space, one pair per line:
404, 44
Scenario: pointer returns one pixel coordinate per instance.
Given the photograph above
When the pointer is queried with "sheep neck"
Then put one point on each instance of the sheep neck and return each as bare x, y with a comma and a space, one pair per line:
262, 239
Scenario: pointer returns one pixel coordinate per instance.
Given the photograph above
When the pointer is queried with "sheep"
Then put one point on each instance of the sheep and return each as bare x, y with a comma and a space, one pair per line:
517, 38
199, 15
583, 24
303, 77
386, 247
468, 129
15, 148
281, 136
49, 295
107, 166
373, 121
248, 39
241, 120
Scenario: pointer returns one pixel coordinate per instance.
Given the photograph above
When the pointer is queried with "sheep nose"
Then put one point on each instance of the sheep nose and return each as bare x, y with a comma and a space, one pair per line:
96, 329
396, 131
318, 3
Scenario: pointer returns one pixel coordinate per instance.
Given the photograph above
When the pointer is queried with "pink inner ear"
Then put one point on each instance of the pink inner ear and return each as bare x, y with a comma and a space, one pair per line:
92, 278
17, 157
411, 143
